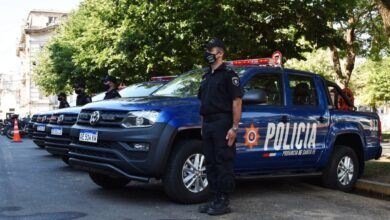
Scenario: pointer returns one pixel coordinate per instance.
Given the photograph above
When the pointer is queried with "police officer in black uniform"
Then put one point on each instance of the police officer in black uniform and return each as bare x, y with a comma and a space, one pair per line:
109, 83
62, 99
220, 95
82, 97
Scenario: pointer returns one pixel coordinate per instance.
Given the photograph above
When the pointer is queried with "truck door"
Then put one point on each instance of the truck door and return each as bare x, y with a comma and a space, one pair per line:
252, 154
309, 120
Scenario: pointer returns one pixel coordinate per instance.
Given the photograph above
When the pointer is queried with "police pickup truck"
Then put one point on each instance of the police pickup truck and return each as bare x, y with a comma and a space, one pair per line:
38, 131
291, 125
57, 138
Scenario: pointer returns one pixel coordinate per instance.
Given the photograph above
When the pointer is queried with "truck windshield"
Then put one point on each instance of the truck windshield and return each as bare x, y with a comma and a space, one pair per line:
187, 84
140, 89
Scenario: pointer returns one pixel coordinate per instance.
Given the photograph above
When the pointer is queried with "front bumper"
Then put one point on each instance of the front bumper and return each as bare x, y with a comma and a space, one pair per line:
30, 129
58, 144
38, 137
113, 155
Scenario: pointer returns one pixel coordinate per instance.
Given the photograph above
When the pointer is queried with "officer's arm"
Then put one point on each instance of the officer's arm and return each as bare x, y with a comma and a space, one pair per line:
236, 95
237, 103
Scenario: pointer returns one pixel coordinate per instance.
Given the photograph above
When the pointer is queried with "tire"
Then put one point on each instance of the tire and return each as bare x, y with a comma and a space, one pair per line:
337, 165
179, 168
65, 159
108, 182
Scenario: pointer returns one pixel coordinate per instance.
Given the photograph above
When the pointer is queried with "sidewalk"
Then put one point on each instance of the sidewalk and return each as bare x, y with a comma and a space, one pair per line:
376, 176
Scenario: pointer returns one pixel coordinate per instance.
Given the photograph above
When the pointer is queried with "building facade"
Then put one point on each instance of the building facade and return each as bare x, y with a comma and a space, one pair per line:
39, 27
9, 94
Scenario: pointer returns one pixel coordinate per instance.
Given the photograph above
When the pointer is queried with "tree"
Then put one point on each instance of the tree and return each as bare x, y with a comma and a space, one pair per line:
137, 39
362, 36
372, 82
384, 9
318, 62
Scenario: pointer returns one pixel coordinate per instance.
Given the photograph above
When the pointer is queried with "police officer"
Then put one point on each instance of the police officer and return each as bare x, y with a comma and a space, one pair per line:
109, 83
220, 95
62, 99
82, 97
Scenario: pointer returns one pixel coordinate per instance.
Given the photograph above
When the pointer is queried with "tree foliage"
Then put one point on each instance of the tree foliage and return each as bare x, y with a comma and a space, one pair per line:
137, 39
318, 62
372, 82
363, 36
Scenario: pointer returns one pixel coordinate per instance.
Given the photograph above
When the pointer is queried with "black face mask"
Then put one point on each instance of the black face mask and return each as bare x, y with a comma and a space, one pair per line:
209, 57
106, 87
78, 91
60, 99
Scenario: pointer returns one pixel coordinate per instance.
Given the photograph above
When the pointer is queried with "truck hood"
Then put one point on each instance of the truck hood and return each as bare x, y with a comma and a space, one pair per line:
70, 110
142, 103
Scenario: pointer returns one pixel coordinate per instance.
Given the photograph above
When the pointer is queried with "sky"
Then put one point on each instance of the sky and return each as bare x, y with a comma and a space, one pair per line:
13, 13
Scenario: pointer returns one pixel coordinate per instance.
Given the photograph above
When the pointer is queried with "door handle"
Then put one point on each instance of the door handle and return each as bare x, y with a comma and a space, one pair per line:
321, 119
285, 119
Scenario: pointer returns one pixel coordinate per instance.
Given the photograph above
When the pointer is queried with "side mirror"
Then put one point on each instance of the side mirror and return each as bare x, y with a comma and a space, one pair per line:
255, 96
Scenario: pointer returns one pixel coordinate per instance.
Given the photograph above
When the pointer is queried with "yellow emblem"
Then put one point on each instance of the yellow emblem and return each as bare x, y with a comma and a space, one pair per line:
251, 136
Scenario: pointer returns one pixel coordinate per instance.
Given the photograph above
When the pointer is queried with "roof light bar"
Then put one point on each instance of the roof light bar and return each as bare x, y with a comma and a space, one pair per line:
276, 60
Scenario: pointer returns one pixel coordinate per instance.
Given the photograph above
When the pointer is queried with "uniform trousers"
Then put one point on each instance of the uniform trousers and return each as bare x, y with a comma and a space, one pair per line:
219, 157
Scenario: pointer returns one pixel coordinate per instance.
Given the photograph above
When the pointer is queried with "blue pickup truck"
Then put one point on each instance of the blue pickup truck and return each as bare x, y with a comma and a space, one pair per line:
38, 124
291, 126
57, 137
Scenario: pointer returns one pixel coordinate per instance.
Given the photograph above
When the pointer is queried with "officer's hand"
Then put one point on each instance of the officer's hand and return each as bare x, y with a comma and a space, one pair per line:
231, 137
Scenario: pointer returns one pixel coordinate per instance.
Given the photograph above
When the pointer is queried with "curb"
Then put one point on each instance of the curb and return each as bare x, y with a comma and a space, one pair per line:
373, 187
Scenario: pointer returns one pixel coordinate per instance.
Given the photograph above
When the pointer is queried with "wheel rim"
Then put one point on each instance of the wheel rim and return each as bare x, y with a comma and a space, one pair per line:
193, 173
345, 170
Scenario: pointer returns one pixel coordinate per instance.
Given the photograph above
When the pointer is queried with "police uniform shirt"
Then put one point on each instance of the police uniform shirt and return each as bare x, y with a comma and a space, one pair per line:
82, 99
64, 104
112, 94
218, 90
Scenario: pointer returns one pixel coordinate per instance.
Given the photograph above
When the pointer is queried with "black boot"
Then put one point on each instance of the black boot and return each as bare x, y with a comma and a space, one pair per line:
205, 207
221, 206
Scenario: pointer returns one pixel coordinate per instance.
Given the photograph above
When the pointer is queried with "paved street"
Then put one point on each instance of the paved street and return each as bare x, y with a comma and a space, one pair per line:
35, 185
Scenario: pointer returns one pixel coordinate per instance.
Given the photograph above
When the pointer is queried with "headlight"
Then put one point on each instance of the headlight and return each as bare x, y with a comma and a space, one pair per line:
140, 119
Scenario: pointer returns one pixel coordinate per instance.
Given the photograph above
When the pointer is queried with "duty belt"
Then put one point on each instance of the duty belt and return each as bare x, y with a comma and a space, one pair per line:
216, 117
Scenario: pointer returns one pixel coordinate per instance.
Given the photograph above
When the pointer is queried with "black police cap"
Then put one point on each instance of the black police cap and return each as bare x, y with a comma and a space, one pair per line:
63, 94
79, 85
215, 42
109, 78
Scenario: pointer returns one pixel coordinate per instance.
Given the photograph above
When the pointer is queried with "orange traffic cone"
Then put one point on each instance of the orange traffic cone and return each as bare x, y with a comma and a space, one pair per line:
16, 132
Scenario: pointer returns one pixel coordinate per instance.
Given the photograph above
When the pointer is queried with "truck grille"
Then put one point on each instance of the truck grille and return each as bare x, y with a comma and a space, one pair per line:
107, 118
44, 119
34, 118
67, 119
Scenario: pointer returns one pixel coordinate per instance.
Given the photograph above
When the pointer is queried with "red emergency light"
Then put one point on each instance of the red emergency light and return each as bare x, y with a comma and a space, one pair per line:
276, 60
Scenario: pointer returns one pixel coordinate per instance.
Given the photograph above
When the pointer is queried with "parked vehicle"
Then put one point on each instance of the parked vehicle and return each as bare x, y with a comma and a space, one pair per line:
58, 130
39, 128
290, 126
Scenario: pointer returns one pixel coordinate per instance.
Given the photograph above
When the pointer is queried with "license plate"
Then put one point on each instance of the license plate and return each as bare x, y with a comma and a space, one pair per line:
41, 128
88, 136
56, 131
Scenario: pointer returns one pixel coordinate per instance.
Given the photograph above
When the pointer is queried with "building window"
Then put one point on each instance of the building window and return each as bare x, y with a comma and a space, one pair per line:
52, 20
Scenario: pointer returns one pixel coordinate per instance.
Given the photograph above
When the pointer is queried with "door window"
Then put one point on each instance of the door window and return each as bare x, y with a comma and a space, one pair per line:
271, 84
303, 91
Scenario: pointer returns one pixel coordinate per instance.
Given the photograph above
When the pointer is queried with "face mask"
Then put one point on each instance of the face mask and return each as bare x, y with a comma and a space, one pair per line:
106, 87
78, 91
60, 99
209, 57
